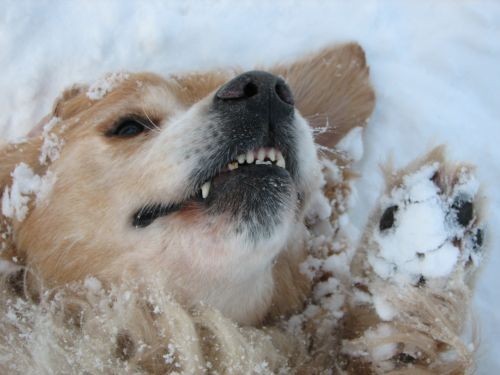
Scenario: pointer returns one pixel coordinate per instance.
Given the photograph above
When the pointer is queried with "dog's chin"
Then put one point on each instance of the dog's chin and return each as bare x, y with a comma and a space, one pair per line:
256, 197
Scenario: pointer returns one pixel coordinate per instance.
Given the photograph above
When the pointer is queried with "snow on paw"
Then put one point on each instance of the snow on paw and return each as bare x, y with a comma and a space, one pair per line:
411, 274
428, 227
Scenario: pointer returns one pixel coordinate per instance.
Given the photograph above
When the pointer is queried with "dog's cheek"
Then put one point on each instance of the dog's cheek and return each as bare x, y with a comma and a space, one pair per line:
310, 176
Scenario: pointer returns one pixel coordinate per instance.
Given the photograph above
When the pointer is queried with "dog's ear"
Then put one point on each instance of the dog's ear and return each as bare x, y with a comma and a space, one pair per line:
332, 90
68, 104
72, 101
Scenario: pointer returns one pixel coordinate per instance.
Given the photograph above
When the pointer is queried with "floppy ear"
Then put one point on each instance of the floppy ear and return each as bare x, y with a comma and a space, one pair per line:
72, 101
332, 90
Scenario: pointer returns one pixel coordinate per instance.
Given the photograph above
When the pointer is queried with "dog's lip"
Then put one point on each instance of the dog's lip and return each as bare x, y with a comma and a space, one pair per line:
150, 212
265, 156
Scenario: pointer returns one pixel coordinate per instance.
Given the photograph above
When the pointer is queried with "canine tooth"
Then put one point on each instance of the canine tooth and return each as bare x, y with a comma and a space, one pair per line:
280, 160
232, 166
250, 157
241, 158
261, 154
205, 188
271, 154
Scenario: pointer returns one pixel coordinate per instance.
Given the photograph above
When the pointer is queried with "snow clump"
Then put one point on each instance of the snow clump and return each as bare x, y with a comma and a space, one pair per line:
106, 84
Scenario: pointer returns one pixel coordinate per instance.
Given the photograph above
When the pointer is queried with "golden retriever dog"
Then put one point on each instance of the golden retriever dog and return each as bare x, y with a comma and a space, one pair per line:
193, 224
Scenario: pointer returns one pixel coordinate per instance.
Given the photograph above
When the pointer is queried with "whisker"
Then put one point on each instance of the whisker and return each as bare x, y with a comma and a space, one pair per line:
147, 126
154, 127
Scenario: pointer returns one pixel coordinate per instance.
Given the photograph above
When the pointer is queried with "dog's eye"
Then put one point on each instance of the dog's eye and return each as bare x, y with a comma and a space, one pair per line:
127, 128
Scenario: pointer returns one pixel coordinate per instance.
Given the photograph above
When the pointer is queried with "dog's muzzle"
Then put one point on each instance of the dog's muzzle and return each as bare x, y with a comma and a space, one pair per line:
249, 170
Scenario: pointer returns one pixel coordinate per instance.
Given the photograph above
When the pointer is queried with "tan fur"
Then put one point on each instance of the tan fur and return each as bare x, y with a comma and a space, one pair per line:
142, 321
339, 79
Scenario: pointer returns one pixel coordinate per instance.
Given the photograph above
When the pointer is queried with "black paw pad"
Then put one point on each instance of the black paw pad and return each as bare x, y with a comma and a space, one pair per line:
387, 219
421, 282
436, 177
125, 346
15, 282
404, 358
478, 240
464, 211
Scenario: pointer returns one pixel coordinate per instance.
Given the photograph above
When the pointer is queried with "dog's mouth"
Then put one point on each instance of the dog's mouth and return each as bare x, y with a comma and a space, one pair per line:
261, 157
254, 183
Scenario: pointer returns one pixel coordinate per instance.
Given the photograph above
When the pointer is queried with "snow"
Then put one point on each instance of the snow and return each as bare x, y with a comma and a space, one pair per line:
93, 284
418, 243
169, 357
352, 144
383, 308
25, 184
46, 184
52, 144
104, 85
15, 198
434, 66
7, 266
386, 351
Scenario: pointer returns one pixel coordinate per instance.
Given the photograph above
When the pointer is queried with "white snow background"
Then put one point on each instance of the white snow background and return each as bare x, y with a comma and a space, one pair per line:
435, 66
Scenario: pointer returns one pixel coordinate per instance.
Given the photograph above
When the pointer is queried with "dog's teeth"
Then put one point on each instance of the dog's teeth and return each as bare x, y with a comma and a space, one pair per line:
280, 160
271, 154
250, 158
266, 162
232, 166
241, 158
205, 189
261, 154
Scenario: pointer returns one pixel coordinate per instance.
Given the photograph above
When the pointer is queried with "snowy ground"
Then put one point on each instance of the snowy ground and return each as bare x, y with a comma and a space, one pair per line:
435, 66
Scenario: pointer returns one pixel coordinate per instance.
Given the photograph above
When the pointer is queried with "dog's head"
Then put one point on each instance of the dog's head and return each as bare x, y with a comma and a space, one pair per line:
202, 179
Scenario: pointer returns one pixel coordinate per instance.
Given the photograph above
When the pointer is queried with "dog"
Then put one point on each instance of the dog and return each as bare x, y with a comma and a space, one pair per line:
185, 203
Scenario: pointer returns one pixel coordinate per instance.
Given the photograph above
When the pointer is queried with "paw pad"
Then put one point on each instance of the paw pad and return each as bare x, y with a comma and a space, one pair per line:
464, 211
478, 239
387, 220
125, 346
15, 282
433, 227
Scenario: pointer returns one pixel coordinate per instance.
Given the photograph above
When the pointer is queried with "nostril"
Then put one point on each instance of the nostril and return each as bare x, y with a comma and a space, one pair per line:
242, 87
256, 85
250, 90
284, 93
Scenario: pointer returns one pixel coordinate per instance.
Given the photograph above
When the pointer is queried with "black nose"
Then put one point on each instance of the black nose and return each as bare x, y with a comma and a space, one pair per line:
255, 108
259, 86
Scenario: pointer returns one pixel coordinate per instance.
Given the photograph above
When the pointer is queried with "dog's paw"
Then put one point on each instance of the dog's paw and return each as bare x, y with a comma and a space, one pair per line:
411, 275
428, 226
